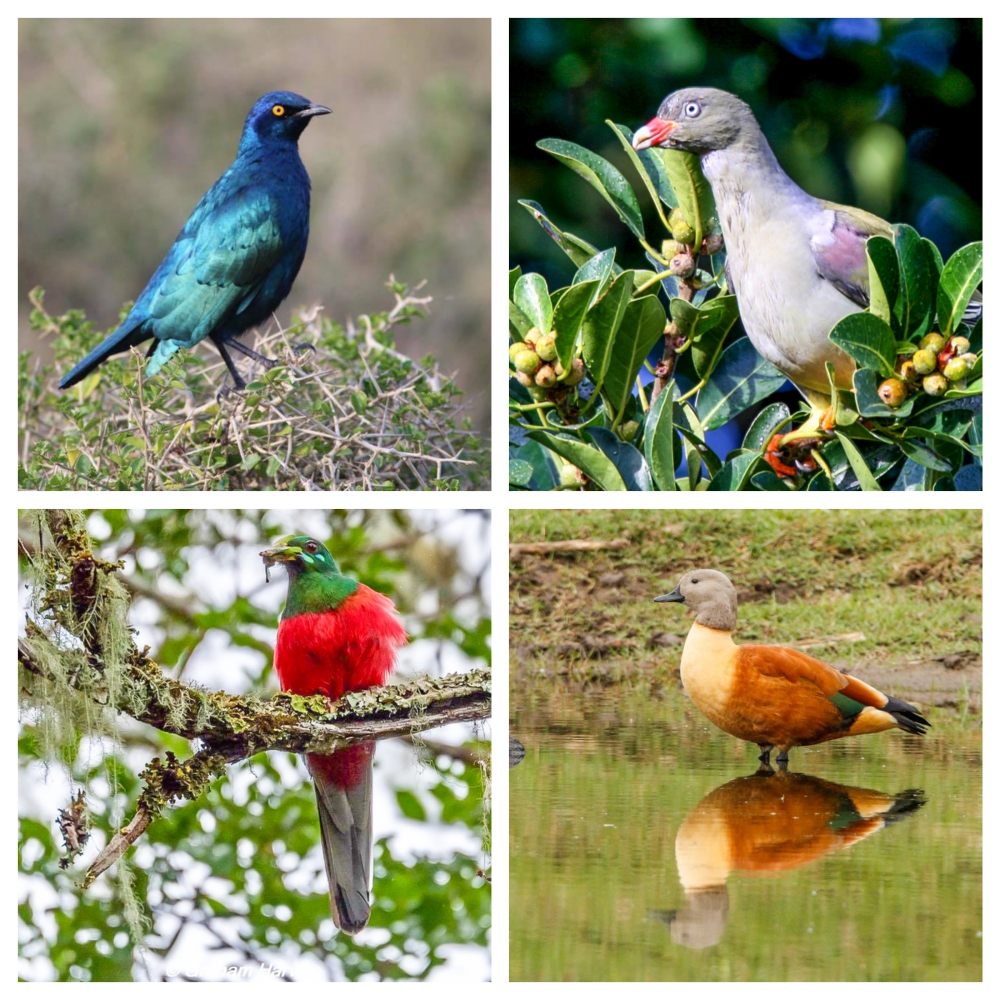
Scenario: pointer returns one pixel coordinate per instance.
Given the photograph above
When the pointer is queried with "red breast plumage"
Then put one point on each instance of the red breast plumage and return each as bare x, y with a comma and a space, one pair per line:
336, 635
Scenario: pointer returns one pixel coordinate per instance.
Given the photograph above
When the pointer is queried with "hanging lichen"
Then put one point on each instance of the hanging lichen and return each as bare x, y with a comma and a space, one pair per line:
78, 631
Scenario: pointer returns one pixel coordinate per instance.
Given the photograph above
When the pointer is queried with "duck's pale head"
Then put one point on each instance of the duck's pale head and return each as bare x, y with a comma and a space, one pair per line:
709, 594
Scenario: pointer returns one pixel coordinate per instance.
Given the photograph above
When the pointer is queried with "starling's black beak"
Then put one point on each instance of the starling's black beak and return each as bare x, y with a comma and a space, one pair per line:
674, 595
313, 109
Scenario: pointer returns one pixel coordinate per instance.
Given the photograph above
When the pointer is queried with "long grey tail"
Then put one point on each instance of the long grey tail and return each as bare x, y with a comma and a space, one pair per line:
343, 783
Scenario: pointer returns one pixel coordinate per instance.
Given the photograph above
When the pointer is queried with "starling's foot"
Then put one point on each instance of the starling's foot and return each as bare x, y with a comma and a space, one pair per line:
227, 389
261, 359
302, 348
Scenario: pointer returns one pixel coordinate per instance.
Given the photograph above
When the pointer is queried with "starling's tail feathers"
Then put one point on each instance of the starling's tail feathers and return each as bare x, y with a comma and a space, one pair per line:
121, 340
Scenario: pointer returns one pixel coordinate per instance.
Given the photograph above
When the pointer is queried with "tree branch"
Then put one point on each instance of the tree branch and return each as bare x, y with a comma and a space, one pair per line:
239, 726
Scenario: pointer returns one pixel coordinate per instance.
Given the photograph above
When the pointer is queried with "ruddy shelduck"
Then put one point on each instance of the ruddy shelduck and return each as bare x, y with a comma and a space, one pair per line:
772, 695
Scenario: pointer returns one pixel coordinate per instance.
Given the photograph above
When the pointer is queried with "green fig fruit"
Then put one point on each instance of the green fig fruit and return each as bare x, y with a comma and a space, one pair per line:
955, 370
932, 342
924, 361
528, 362
679, 227
546, 347
935, 384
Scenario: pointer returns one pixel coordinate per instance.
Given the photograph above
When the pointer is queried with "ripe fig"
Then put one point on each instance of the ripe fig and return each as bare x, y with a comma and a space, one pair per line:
892, 392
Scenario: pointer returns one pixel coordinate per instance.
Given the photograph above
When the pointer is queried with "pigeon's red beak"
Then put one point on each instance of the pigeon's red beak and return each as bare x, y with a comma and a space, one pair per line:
652, 133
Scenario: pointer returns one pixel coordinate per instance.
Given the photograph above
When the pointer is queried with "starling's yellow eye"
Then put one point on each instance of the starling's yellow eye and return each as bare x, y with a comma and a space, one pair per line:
278, 110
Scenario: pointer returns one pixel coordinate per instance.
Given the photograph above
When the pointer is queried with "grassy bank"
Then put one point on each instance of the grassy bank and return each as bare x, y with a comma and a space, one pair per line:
895, 596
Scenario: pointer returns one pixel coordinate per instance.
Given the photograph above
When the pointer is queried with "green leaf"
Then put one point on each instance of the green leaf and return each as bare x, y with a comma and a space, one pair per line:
600, 267
512, 277
923, 455
627, 458
641, 327
844, 414
883, 277
519, 323
592, 461
707, 327
764, 426
741, 378
915, 282
865, 477
531, 296
410, 806
648, 167
820, 482
519, 473
935, 265
658, 438
544, 475
736, 473
605, 178
601, 326
693, 193
911, 478
768, 481
686, 421
969, 478
579, 251
976, 433
959, 279
568, 317
868, 340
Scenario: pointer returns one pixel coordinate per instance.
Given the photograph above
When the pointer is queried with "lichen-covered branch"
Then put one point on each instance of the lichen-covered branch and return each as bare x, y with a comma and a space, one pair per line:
236, 727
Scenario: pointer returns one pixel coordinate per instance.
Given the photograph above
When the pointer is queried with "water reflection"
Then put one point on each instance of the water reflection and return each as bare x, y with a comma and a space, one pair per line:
763, 824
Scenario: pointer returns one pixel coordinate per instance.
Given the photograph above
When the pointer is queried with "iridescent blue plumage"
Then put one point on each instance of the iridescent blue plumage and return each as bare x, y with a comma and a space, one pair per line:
236, 257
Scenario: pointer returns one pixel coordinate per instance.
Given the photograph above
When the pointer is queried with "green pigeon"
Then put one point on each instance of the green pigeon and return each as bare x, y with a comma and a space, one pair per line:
796, 263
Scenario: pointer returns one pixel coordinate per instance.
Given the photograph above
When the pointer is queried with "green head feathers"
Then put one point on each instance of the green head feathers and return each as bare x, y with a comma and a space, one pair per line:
315, 583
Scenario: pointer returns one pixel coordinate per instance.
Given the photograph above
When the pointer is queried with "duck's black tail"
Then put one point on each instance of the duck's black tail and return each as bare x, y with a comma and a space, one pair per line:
907, 716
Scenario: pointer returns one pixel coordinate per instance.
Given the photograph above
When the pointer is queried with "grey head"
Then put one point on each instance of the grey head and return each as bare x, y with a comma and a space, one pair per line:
699, 120
709, 594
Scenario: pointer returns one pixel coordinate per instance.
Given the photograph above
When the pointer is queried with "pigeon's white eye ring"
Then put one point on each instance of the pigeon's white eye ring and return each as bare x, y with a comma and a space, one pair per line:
692, 109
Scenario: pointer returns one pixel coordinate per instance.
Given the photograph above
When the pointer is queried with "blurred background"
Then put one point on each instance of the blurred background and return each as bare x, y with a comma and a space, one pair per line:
885, 114
124, 124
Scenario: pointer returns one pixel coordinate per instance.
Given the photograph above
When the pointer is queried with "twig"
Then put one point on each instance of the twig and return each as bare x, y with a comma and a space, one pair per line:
518, 549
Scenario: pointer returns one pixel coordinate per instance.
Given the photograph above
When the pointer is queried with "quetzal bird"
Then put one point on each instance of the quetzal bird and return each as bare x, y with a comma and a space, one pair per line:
235, 260
336, 635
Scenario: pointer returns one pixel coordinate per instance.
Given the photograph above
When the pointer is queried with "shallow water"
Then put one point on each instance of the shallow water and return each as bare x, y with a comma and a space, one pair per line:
645, 845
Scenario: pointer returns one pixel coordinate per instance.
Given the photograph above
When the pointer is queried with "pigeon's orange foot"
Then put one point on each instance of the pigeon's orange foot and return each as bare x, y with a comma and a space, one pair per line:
792, 458
828, 421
